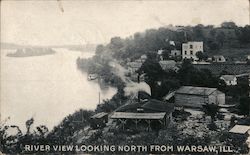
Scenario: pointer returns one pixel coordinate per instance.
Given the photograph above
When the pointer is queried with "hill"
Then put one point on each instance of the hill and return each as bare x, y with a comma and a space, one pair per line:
228, 39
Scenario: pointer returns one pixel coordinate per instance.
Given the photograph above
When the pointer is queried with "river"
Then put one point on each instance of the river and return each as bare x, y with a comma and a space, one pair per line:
47, 88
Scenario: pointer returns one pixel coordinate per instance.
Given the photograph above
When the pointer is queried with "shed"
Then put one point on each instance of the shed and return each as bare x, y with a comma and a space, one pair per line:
99, 120
196, 97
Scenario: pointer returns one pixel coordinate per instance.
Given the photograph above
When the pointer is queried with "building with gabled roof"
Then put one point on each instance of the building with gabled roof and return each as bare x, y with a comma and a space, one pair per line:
229, 79
218, 58
147, 114
196, 97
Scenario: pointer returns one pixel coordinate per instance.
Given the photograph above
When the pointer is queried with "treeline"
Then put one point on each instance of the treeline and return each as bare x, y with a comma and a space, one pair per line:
227, 36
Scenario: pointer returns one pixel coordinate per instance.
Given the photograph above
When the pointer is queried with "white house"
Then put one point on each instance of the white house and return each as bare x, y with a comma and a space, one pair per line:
190, 49
230, 80
219, 58
143, 58
248, 57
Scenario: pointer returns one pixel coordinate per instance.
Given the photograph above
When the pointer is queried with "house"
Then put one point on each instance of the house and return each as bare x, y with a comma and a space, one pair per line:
99, 120
168, 65
160, 54
175, 53
190, 49
218, 58
143, 58
230, 80
144, 115
248, 57
196, 97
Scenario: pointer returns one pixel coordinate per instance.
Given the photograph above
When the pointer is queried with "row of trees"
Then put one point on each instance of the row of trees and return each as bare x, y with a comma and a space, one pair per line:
229, 35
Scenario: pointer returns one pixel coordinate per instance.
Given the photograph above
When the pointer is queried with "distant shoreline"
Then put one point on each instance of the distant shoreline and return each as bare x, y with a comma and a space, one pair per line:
30, 52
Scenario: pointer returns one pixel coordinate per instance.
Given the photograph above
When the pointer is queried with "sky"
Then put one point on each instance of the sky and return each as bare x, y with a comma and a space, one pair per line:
52, 22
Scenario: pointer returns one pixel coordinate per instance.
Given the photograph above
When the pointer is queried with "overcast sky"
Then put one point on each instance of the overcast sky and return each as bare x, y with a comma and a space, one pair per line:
44, 23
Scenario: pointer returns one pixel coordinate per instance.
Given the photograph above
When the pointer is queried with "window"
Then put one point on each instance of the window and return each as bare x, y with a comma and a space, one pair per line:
175, 54
191, 46
191, 52
185, 52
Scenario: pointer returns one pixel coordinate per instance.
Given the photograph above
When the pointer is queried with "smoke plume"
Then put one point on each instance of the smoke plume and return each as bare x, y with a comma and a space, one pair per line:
132, 88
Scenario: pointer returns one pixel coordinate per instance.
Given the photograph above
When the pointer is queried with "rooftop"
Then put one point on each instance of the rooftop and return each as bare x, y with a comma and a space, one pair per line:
228, 77
151, 104
218, 56
193, 42
130, 115
195, 90
99, 115
157, 105
241, 129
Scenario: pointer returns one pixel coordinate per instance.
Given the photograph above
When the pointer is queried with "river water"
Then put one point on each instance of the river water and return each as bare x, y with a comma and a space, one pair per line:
47, 88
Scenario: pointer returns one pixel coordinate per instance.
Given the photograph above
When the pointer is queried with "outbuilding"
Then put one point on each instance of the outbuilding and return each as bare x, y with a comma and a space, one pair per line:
196, 97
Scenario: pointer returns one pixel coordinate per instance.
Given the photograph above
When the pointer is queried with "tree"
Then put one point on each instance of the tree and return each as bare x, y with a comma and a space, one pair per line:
228, 25
201, 56
28, 125
244, 106
211, 110
99, 49
244, 35
153, 73
220, 37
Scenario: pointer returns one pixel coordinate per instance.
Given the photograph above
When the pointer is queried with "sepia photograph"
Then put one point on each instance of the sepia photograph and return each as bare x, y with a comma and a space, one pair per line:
125, 77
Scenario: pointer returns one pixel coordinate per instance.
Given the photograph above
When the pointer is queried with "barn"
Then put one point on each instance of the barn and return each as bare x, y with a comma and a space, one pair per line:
196, 97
